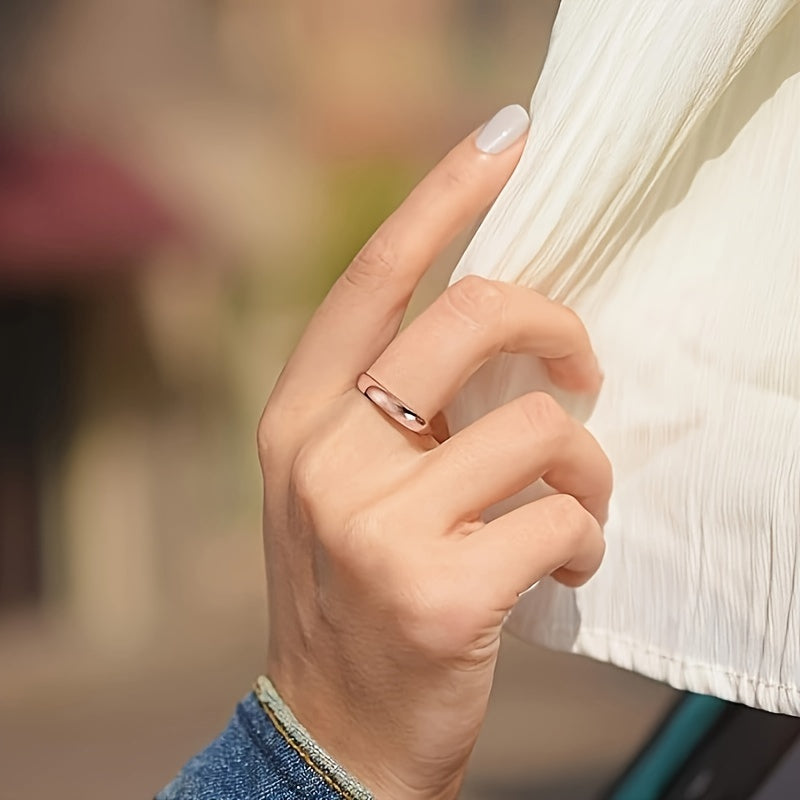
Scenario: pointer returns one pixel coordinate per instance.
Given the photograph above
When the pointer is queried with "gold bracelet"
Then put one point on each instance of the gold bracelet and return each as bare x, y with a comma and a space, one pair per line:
301, 741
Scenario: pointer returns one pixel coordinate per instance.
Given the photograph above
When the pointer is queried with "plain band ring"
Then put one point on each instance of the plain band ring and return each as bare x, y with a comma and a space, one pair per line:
391, 405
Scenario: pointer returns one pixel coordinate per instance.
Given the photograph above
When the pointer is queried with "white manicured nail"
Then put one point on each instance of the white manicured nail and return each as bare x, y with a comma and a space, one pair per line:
503, 129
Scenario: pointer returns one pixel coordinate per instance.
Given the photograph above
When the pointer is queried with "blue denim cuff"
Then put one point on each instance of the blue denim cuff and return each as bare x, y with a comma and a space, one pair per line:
263, 754
304, 745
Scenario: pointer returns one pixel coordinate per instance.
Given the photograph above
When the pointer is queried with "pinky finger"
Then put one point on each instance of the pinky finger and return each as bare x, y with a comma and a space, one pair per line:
554, 536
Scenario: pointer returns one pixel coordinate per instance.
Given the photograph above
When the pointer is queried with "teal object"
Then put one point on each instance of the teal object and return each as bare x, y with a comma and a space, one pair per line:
659, 762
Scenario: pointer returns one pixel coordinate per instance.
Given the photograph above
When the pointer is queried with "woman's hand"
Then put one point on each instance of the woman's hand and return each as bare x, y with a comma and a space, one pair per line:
387, 590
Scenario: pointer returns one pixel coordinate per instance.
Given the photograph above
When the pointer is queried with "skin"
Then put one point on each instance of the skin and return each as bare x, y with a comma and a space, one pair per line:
387, 588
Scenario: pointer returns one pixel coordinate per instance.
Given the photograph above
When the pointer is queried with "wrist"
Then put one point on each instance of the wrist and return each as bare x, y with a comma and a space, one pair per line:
305, 746
375, 759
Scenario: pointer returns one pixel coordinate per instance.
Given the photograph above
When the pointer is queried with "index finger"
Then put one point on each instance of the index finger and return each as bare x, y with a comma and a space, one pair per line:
365, 307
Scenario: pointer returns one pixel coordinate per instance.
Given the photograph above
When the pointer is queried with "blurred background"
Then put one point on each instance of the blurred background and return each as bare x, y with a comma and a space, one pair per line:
179, 184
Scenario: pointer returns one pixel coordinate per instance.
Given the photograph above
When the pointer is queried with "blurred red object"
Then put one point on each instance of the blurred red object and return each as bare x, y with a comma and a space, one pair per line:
66, 211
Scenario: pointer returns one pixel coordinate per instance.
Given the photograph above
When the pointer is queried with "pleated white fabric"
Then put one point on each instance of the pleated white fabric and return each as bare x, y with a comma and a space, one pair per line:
659, 196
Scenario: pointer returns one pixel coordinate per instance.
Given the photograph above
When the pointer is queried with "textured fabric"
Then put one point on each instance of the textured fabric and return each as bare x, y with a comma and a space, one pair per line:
250, 760
285, 721
659, 196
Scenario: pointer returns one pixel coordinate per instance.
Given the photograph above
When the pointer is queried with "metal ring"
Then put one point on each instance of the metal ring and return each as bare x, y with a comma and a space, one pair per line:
391, 405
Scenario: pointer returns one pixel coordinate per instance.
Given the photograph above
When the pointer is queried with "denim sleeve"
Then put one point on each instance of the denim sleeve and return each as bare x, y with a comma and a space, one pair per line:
255, 758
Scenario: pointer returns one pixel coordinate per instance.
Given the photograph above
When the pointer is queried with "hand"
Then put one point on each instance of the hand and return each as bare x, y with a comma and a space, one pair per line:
387, 590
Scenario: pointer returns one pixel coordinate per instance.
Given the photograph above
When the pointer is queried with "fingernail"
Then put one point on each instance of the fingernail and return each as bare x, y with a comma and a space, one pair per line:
503, 129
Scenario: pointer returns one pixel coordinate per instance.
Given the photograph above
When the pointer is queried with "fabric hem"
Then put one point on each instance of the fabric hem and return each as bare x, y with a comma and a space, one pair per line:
693, 676
301, 741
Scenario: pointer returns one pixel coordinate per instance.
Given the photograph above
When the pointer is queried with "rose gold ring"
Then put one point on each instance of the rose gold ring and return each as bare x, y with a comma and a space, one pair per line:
391, 405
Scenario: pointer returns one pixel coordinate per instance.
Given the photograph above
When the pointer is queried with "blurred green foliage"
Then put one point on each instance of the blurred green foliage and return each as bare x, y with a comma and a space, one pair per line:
359, 197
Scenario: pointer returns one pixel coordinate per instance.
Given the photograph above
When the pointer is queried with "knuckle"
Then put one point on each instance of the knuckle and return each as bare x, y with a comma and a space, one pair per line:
279, 430
347, 544
267, 435
477, 300
434, 619
568, 516
542, 414
308, 473
581, 538
357, 540
354, 533
606, 470
576, 330
373, 266
567, 507
433, 630
568, 522
574, 323
457, 175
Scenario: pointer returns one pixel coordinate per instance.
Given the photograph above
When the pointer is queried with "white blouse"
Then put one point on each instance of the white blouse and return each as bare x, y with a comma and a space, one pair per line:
659, 196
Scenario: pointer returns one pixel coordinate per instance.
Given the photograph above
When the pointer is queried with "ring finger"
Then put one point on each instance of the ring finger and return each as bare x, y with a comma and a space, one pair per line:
474, 319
